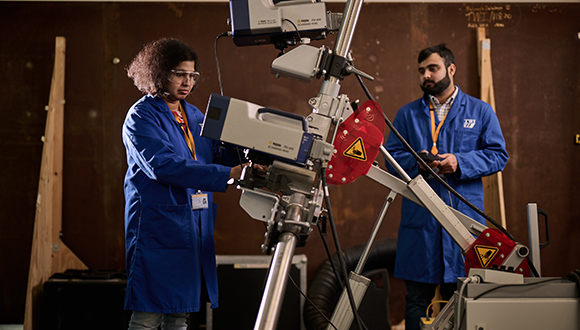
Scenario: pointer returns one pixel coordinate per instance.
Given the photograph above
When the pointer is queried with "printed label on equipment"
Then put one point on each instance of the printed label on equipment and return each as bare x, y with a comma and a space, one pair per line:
280, 147
356, 150
485, 254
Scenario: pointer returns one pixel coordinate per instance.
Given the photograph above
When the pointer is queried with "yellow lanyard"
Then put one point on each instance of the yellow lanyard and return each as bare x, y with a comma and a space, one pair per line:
182, 120
435, 132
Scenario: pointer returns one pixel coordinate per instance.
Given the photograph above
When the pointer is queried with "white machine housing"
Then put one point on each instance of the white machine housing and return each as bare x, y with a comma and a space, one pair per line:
256, 22
274, 132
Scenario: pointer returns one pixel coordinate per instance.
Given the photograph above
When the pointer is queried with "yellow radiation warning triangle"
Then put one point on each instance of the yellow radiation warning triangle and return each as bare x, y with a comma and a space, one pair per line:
485, 254
356, 150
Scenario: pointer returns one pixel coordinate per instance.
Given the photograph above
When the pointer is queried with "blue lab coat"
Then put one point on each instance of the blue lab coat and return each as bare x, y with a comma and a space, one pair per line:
471, 131
169, 245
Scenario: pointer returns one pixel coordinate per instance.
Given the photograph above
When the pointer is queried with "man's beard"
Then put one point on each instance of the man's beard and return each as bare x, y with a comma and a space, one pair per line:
438, 87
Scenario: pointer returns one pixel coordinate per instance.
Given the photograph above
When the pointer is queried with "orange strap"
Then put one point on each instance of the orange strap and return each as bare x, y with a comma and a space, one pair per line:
182, 120
435, 131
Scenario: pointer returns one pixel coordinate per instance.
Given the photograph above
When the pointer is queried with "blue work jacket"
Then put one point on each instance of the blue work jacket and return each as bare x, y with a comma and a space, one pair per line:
169, 245
425, 251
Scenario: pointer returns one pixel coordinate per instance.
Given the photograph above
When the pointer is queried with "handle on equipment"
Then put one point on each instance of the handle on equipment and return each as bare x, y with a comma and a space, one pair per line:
285, 114
545, 214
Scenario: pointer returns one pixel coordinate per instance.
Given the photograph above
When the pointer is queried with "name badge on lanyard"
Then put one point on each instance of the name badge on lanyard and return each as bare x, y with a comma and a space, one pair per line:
199, 201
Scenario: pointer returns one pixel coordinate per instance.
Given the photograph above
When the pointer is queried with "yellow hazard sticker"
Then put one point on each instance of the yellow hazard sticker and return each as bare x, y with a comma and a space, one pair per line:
485, 254
356, 150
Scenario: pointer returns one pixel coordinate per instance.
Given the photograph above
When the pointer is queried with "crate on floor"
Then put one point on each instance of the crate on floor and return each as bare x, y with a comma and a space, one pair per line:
87, 299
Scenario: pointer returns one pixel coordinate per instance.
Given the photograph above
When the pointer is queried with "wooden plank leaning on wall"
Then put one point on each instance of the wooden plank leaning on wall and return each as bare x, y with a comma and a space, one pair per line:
492, 185
49, 254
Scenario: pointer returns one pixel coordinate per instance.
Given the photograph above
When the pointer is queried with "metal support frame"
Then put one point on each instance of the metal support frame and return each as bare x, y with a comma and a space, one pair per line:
298, 208
276, 283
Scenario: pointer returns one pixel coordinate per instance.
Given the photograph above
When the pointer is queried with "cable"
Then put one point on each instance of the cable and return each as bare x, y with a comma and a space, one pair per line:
440, 180
574, 276
445, 184
339, 250
433, 302
471, 279
324, 289
435, 175
524, 284
224, 34
228, 33
295, 27
329, 254
477, 279
310, 301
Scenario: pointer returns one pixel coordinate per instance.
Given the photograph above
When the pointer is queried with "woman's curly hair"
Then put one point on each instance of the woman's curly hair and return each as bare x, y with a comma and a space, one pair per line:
151, 67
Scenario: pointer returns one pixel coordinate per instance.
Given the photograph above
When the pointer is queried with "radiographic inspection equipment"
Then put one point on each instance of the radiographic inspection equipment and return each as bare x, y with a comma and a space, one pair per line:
339, 142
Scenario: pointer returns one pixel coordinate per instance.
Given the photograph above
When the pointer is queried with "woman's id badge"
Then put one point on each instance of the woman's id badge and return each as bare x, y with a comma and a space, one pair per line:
199, 201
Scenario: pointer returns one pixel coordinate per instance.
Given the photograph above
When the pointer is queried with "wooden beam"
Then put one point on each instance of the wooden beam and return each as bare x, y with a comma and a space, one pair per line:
494, 202
49, 254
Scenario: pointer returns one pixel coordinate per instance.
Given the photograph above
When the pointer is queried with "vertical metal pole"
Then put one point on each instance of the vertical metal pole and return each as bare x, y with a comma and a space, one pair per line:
273, 296
282, 261
350, 18
342, 46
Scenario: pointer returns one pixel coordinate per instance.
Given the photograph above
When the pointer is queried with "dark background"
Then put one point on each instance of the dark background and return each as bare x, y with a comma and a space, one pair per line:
535, 52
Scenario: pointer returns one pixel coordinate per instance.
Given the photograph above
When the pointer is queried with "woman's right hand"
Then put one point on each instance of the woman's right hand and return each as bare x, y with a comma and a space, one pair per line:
236, 171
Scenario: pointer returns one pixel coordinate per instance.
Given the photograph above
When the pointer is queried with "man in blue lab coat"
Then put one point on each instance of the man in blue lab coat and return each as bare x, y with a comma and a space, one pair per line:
465, 135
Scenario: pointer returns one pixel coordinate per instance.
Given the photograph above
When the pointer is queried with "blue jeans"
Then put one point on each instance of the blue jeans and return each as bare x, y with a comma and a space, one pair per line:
151, 321
419, 297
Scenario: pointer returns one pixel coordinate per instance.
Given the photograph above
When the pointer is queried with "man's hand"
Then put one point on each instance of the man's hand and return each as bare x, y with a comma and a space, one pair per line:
432, 164
447, 164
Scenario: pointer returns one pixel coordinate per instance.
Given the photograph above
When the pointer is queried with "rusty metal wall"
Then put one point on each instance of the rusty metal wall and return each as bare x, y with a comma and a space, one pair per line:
535, 52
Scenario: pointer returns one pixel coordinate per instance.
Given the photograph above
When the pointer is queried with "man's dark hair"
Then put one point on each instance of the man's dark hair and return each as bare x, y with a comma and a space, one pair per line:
445, 53
151, 67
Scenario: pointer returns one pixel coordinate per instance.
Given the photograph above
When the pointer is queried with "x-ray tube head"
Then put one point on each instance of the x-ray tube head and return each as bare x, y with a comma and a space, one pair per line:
257, 22
282, 135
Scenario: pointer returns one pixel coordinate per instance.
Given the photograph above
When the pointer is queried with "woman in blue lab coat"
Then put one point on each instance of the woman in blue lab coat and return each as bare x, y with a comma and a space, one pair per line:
172, 172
